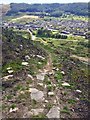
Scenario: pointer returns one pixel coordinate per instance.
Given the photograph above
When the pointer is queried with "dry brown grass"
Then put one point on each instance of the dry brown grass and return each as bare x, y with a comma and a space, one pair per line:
26, 17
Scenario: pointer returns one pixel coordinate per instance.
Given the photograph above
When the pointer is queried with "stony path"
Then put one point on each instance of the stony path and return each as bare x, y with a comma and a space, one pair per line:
47, 99
44, 97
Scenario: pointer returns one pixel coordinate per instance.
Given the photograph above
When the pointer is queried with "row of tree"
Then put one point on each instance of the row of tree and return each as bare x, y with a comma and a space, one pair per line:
49, 34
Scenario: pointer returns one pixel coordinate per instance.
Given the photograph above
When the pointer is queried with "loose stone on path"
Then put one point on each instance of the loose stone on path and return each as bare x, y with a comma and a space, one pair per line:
40, 76
54, 112
36, 94
7, 77
10, 71
79, 91
51, 93
66, 84
36, 111
40, 84
40, 57
13, 110
30, 76
25, 63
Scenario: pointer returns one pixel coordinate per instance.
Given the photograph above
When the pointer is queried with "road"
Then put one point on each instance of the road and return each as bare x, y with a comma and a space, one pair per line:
32, 36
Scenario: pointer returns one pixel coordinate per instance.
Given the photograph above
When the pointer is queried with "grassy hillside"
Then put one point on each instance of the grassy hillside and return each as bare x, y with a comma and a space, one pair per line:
56, 62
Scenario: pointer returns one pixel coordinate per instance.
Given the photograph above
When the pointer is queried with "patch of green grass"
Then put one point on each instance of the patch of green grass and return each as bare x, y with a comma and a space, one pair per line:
4, 107
16, 66
71, 101
49, 87
67, 87
31, 72
48, 82
73, 85
85, 99
59, 84
19, 87
65, 93
1, 88
13, 106
22, 97
58, 76
8, 97
29, 81
49, 106
39, 66
33, 103
65, 110
34, 66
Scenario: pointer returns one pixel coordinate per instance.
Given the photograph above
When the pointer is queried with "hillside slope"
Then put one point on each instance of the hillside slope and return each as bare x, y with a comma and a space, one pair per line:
42, 80
54, 9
